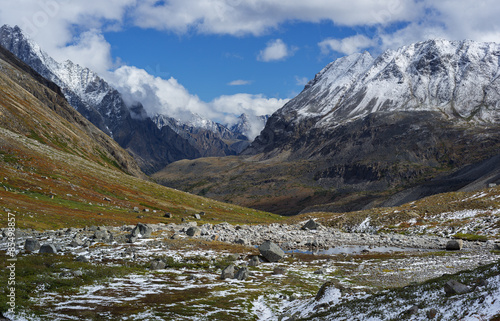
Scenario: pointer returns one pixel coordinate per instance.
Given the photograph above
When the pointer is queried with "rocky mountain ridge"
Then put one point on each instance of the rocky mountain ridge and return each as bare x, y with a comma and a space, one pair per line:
150, 143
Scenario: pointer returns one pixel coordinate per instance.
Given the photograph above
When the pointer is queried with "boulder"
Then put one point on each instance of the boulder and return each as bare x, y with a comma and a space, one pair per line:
193, 231
168, 215
254, 261
77, 273
228, 272
31, 245
102, 235
454, 245
77, 241
310, 225
82, 258
48, 248
432, 313
271, 252
197, 216
322, 290
142, 230
454, 287
242, 274
279, 271
157, 265
242, 241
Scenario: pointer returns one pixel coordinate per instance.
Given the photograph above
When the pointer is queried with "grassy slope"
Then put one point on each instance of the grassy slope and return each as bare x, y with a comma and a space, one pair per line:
48, 188
58, 170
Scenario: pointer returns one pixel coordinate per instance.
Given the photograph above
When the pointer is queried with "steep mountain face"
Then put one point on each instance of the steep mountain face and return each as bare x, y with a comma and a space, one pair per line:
458, 80
103, 105
369, 132
35, 107
208, 137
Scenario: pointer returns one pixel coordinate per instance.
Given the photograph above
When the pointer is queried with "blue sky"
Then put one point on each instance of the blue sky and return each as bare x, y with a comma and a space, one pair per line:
214, 65
219, 58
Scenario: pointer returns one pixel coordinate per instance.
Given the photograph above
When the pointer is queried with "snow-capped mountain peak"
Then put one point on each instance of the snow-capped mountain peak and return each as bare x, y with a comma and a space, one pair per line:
458, 78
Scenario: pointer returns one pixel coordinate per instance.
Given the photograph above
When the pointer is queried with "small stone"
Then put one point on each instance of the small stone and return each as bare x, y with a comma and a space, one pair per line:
242, 241
413, 310
136, 209
431, 314
82, 258
320, 271
168, 215
279, 271
228, 272
146, 210
77, 273
197, 216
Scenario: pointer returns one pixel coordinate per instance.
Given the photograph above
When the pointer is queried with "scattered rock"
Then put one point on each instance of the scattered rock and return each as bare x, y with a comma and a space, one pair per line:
142, 231
136, 209
31, 245
454, 287
454, 245
77, 273
107, 199
242, 241
322, 290
157, 265
197, 216
413, 310
242, 274
193, 231
168, 215
431, 314
102, 235
254, 261
320, 271
48, 248
77, 241
279, 271
271, 252
228, 272
310, 225
82, 258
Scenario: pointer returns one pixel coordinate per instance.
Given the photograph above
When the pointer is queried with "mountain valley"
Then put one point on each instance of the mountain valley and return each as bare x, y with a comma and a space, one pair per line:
372, 195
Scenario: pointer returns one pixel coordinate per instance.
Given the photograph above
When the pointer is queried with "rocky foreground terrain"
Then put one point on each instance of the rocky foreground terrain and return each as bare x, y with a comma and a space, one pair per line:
219, 272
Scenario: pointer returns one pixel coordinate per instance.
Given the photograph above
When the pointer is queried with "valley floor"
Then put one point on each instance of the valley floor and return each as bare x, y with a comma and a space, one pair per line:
97, 275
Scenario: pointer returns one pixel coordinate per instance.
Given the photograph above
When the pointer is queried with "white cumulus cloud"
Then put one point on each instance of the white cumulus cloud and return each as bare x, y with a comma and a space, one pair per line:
347, 45
274, 51
169, 97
